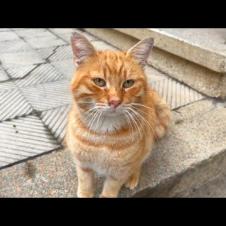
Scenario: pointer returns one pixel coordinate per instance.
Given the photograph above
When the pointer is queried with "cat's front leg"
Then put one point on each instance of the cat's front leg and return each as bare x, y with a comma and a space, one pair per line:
85, 182
111, 187
133, 180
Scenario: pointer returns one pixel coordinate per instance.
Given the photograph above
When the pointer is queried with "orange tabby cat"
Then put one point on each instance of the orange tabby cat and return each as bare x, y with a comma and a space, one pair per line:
115, 117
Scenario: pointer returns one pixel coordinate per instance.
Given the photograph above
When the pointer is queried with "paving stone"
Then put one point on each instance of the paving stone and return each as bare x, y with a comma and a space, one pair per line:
66, 67
174, 93
62, 53
19, 59
3, 76
23, 138
66, 34
62, 30
99, 45
48, 95
14, 46
13, 104
46, 52
31, 33
56, 120
8, 35
5, 29
41, 74
44, 42
4, 86
20, 71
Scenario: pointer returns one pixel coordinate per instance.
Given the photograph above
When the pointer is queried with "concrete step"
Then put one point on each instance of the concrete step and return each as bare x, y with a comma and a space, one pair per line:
215, 188
194, 56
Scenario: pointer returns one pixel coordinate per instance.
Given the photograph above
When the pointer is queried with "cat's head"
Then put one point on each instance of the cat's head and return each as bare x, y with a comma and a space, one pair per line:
109, 81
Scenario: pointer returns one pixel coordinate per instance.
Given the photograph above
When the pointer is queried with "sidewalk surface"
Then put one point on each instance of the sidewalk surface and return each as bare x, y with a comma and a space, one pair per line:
35, 70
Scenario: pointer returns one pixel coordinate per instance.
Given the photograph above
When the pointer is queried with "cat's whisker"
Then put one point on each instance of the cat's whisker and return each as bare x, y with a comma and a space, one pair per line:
135, 123
138, 120
142, 118
90, 124
142, 106
130, 125
90, 110
139, 110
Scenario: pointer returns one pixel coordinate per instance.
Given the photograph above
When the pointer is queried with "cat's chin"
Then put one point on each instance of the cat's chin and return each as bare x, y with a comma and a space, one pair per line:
113, 113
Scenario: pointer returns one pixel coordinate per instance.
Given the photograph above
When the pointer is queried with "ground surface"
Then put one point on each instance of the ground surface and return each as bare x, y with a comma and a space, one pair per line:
35, 72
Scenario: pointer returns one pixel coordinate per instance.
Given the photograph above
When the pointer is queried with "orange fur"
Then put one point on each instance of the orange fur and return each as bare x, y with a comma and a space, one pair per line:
114, 143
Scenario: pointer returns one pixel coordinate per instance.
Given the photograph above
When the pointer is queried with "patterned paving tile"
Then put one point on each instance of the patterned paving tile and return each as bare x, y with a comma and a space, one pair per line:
23, 138
175, 93
66, 67
48, 95
56, 120
3, 76
46, 52
41, 74
20, 71
62, 53
4, 86
13, 104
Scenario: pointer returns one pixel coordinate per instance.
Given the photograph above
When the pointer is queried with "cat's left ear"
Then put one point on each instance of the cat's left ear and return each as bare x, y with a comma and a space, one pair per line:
142, 50
82, 47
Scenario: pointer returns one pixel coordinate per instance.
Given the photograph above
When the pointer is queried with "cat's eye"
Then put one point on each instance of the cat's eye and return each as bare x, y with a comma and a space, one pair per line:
99, 82
128, 83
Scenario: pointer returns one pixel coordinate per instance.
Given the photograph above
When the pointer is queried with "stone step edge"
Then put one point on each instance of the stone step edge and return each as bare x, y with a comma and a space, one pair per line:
200, 78
181, 184
210, 59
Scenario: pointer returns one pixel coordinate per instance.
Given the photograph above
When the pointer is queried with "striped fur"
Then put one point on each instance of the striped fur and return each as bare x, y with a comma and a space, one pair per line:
116, 142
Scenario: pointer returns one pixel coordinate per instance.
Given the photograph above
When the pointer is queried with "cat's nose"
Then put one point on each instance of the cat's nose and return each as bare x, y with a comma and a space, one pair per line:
114, 103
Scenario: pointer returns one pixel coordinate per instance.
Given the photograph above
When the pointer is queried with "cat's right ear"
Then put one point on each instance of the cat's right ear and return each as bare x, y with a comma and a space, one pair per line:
82, 48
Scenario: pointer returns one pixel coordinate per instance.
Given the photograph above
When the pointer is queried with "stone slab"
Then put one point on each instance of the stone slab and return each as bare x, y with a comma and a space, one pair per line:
3, 76
48, 95
66, 67
43, 73
13, 104
20, 71
14, 46
56, 120
8, 35
62, 53
44, 42
31, 32
23, 138
20, 59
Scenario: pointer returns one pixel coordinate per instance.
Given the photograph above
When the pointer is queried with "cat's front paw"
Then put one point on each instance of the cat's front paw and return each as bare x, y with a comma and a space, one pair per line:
82, 194
108, 195
132, 182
